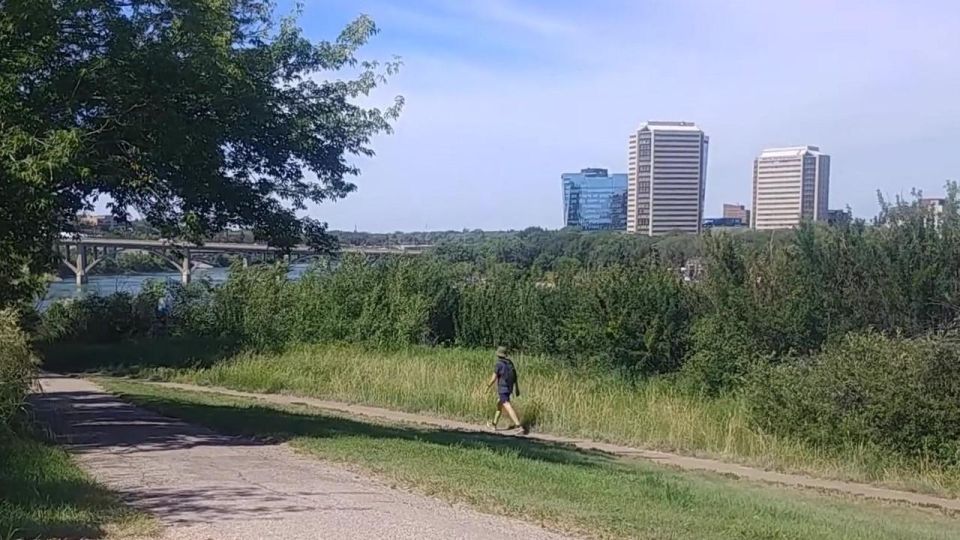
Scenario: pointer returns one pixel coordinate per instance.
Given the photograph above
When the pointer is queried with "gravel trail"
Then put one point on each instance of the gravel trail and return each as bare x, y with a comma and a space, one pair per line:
203, 485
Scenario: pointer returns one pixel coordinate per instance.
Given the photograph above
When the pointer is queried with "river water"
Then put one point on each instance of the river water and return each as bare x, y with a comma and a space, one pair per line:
132, 283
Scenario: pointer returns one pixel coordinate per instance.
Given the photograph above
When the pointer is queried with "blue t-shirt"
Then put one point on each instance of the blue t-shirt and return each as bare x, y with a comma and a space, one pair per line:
506, 375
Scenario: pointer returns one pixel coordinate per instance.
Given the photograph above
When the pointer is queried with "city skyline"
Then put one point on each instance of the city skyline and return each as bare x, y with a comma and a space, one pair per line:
521, 91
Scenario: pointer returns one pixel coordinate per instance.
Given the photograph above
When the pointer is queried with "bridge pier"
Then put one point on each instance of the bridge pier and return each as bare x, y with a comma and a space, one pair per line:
185, 267
78, 263
80, 271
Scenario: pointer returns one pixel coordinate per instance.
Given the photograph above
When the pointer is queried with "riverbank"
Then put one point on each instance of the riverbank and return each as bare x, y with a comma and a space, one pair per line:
133, 282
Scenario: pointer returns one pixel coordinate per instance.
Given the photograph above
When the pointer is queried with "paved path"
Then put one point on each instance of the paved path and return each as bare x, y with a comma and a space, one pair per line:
663, 458
202, 485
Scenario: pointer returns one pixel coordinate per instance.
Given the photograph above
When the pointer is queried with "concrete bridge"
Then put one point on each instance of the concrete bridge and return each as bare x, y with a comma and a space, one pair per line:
82, 254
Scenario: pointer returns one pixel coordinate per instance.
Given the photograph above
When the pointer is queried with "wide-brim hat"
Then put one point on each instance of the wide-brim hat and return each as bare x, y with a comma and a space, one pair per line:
502, 351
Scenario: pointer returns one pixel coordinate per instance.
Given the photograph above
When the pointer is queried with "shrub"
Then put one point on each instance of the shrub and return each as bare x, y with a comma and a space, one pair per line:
723, 353
896, 393
507, 307
254, 306
102, 319
631, 320
17, 366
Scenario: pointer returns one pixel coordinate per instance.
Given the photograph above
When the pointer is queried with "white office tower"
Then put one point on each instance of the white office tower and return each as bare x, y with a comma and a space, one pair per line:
790, 185
667, 177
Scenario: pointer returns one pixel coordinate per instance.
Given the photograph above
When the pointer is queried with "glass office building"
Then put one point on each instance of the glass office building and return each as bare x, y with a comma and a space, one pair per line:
595, 200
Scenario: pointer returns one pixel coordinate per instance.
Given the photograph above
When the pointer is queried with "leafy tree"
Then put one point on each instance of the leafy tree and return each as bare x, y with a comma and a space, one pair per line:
199, 115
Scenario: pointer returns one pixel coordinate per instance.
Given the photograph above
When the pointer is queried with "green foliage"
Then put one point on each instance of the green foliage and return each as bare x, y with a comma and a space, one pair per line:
781, 301
102, 319
47, 495
504, 307
617, 304
630, 319
563, 487
723, 354
634, 320
17, 366
724, 340
896, 393
198, 115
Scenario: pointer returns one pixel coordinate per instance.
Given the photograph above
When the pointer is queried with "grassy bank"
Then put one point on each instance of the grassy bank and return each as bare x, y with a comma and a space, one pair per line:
549, 484
43, 494
449, 382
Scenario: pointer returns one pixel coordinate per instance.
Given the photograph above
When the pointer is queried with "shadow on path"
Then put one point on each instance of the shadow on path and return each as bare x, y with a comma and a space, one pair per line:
86, 420
206, 484
269, 424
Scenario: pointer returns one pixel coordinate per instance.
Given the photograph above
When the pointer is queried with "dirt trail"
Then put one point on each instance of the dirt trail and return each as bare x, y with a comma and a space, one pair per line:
662, 458
203, 485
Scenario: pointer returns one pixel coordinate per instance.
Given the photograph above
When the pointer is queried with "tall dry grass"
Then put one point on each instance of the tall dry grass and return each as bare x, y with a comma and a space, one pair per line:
655, 413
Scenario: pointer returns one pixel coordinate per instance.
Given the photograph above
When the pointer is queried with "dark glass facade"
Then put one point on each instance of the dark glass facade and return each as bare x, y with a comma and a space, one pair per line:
595, 200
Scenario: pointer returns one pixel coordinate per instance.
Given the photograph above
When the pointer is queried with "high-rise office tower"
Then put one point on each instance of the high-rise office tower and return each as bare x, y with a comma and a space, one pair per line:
667, 176
594, 200
790, 185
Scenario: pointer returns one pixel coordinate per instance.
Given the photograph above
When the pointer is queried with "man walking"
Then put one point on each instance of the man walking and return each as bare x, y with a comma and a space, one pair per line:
505, 377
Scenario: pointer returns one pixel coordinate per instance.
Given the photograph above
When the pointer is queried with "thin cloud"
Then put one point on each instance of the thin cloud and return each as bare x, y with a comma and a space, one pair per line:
484, 138
521, 17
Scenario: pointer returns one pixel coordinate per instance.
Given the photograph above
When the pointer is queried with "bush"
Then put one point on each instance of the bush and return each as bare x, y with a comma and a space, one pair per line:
17, 365
102, 319
895, 393
724, 353
506, 307
253, 306
631, 320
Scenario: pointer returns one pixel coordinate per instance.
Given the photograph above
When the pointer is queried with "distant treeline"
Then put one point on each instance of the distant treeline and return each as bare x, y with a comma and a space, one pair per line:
522, 247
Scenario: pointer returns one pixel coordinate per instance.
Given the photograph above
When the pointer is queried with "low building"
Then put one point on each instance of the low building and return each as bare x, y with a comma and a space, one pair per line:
93, 221
936, 207
839, 217
736, 211
936, 204
724, 222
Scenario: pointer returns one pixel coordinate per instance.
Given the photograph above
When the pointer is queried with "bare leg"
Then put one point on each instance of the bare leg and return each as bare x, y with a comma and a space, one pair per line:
513, 414
496, 416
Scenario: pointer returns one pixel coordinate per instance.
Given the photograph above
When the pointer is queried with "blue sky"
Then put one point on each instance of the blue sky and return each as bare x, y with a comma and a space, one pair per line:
505, 95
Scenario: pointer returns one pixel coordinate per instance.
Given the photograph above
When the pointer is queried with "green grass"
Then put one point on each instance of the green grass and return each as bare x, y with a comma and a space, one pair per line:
449, 383
43, 494
555, 485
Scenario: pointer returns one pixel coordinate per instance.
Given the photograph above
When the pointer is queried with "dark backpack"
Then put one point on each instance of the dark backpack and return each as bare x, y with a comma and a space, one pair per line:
508, 374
